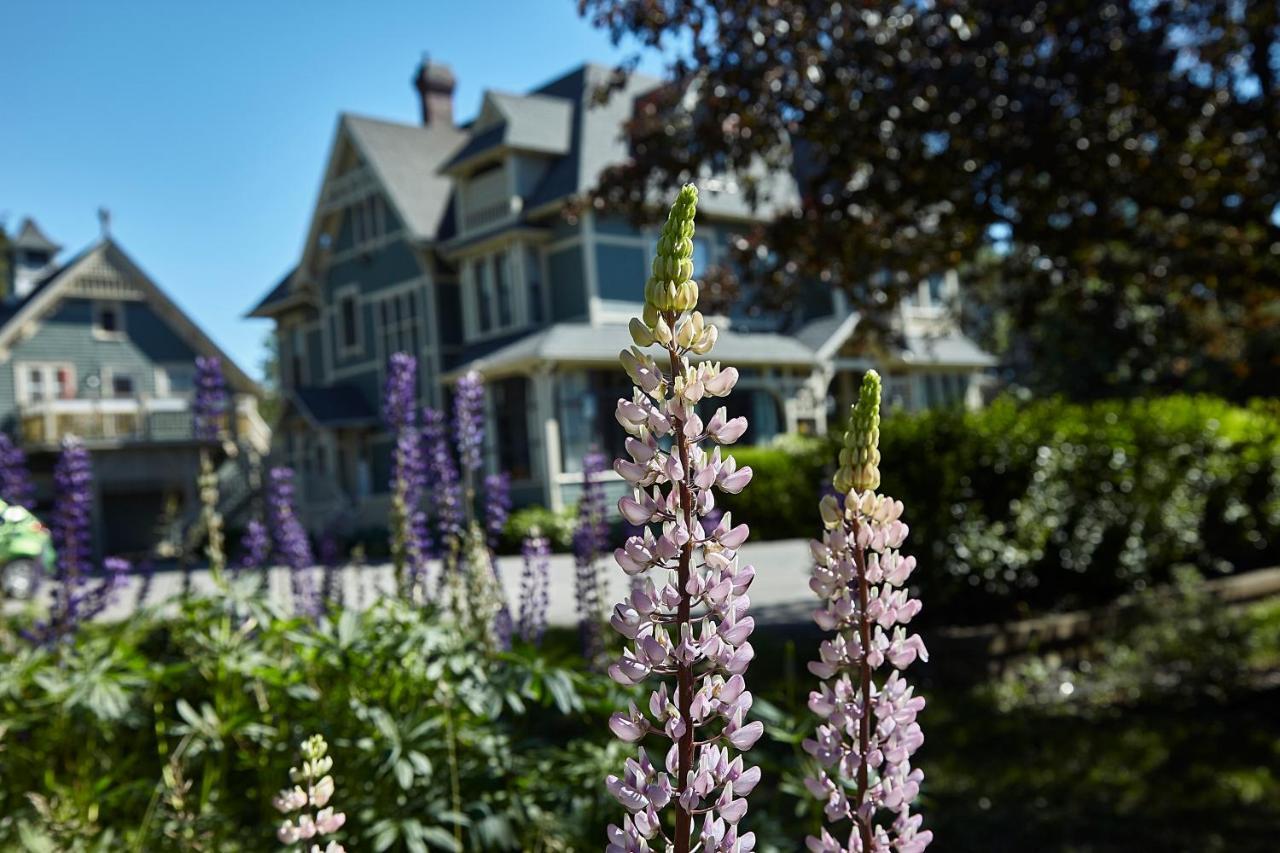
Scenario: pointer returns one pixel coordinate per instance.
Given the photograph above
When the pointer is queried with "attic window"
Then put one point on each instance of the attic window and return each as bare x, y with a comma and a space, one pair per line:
368, 221
108, 319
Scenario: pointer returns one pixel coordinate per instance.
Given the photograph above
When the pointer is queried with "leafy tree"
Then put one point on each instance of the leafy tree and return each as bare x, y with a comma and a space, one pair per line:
1108, 172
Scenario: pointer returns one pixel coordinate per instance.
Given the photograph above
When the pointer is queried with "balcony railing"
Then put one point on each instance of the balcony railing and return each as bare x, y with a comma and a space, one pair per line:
128, 421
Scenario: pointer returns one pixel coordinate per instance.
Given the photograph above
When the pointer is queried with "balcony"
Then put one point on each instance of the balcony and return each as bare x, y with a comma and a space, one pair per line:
112, 422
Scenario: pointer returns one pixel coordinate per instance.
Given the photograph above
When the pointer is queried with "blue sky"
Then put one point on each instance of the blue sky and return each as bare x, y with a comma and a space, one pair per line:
204, 127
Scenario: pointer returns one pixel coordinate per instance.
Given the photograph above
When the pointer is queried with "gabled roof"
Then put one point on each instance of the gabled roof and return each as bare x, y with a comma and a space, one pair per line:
106, 252
275, 298
406, 158
30, 236
952, 349
538, 124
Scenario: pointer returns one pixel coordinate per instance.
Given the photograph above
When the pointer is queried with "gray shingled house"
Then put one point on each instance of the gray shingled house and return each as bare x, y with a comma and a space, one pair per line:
92, 347
450, 242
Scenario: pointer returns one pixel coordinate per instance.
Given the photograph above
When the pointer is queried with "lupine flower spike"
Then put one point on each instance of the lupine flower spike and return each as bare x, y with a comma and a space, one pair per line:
687, 628
292, 549
208, 416
15, 477
534, 588
868, 732
309, 799
410, 537
590, 538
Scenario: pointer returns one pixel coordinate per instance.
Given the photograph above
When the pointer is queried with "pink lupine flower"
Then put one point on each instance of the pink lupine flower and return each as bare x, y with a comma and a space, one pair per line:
313, 788
868, 732
685, 619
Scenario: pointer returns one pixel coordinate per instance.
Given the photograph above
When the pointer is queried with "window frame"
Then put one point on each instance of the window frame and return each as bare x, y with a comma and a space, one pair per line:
100, 308
348, 294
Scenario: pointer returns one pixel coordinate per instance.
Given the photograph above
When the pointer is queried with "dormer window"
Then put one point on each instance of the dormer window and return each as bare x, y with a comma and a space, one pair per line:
494, 301
108, 320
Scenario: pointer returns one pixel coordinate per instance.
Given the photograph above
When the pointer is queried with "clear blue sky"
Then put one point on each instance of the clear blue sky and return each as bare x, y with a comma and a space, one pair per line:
204, 127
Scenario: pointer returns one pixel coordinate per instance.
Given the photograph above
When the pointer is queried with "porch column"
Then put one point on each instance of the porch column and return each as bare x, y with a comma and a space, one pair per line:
547, 464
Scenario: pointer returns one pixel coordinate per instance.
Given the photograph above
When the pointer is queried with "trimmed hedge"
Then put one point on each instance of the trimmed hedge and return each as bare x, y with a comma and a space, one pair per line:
1028, 507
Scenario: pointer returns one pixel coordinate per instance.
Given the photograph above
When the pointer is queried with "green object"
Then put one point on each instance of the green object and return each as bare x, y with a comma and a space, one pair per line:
859, 469
26, 551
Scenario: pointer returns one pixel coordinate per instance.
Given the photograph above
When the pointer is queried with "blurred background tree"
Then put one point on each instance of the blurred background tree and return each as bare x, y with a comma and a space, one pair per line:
1106, 174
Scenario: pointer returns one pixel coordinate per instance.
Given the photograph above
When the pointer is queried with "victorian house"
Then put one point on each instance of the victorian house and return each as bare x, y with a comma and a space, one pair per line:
91, 346
451, 242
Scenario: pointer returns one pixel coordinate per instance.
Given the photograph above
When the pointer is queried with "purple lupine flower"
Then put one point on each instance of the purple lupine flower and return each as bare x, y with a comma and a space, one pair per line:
15, 478
689, 627
468, 420
289, 540
534, 588
590, 538
72, 513
446, 495
255, 546
868, 731
497, 506
411, 539
209, 408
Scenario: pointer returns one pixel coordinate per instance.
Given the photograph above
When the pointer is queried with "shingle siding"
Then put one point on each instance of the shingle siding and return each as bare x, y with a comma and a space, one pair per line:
67, 336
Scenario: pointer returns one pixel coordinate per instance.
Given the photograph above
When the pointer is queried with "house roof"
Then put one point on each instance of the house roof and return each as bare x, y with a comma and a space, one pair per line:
106, 252
406, 159
952, 349
334, 406
583, 343
30, 236
535, 123
274, 297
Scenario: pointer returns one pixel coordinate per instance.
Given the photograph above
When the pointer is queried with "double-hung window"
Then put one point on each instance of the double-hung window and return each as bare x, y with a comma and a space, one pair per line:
350, 329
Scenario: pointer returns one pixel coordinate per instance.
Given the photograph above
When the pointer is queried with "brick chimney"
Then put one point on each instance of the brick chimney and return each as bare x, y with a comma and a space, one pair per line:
434, 83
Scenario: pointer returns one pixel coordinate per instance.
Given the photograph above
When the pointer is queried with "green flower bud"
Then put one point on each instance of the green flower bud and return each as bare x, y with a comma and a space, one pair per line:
673, 263
860, 458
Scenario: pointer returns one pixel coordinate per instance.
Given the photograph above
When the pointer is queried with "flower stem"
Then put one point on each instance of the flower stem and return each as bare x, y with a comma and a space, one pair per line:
684, 674
864, 669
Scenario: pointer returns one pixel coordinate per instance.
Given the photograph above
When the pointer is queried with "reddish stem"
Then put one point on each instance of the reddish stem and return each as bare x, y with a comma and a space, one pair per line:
684, 672
864, 671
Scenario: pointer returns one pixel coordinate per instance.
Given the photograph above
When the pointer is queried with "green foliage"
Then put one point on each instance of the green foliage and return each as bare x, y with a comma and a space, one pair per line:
173, 733
556, 526
1018, 509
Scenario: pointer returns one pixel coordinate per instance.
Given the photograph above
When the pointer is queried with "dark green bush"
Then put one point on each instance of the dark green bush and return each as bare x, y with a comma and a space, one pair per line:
1022, 508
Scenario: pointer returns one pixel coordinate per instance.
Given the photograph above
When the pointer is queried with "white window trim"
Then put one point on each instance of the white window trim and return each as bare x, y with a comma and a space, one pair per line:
22, 382
517, 284
351, 291
99, 306
163, 385
107, 390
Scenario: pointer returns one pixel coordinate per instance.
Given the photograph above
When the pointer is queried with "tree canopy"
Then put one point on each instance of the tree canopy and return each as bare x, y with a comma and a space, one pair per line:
1106, 173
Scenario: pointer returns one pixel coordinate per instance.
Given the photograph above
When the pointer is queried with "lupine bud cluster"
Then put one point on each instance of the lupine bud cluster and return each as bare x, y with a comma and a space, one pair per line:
209, 408
312, 790
590, 538
869, 731
215, 543
290, 542
686, 619
15, 478
410, 536
535, 588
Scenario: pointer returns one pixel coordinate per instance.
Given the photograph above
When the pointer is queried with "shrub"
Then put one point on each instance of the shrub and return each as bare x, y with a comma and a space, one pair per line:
557, 527
1051, 505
